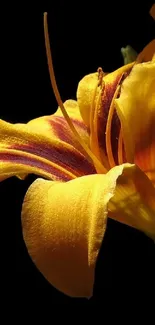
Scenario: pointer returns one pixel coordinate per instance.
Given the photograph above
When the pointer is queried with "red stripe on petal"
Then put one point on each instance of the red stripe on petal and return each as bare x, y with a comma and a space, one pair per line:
61, 130
72, 160
53, 172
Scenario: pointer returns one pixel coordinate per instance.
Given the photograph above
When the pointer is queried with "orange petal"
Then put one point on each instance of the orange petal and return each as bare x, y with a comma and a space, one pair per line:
45, 146
136, 110
147, 53
152, 11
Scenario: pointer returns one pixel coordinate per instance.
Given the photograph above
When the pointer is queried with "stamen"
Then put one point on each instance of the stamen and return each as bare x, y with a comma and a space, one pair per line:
93, 119
59, 100
94, 131
108, 129
93, 134
92, 109
120, 148
99, 83
100, 76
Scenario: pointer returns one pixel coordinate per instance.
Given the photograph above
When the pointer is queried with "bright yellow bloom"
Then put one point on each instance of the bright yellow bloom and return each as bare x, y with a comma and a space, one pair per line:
98, 162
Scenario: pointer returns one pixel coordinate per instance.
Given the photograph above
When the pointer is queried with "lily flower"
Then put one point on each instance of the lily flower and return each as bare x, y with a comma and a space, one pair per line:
95, 158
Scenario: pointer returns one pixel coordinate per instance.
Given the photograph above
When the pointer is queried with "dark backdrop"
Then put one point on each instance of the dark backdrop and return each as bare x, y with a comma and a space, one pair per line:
83, 37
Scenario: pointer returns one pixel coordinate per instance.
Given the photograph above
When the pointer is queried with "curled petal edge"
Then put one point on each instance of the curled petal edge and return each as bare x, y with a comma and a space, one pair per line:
64, 236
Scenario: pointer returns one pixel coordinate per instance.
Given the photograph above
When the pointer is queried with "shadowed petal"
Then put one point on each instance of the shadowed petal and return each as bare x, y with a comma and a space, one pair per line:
45, 146
136, 110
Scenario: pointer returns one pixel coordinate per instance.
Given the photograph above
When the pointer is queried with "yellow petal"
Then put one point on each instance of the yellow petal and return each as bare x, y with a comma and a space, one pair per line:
136, 110
64, 223
56, 126
63, 227
85, 93
44, 146
133, 202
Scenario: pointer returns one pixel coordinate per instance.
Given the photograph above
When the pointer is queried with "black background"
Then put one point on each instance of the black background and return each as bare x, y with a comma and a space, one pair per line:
83, 37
